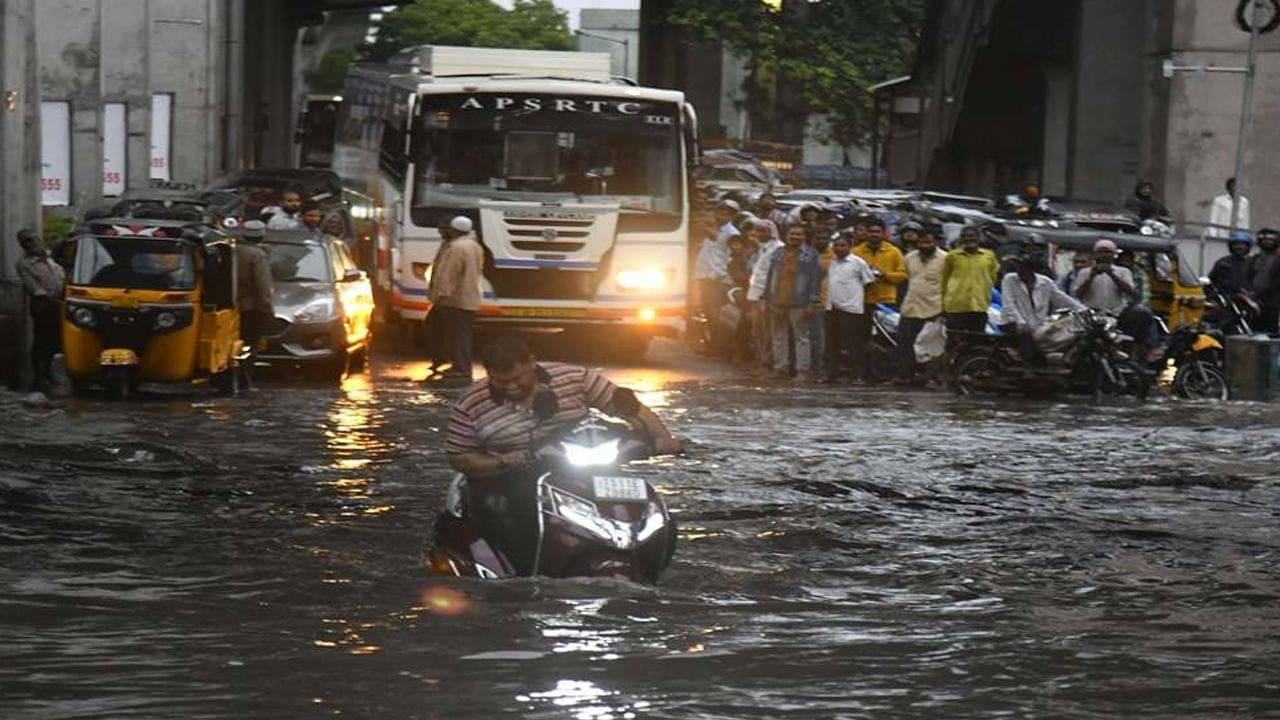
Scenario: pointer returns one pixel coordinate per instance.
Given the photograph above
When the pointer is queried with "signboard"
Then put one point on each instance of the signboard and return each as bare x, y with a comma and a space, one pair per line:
115, 149
161, 135
55, 153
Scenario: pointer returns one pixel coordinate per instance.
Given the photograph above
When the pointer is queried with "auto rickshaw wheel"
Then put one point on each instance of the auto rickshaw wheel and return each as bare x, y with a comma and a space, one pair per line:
227, 382
121, 382
80, 387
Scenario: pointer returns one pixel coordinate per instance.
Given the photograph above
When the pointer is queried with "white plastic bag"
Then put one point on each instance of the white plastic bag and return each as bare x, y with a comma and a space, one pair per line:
931, 342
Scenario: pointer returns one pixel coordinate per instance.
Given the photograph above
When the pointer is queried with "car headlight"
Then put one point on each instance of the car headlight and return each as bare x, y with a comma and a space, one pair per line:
316, 311
84, 317
166, 320
643, 279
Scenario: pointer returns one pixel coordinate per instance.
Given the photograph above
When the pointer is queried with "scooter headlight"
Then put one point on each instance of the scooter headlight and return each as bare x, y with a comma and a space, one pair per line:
580, 456
84, 317
166, 320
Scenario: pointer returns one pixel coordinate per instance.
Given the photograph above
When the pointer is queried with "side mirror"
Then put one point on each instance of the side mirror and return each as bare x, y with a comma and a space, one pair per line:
353, 275
625, 403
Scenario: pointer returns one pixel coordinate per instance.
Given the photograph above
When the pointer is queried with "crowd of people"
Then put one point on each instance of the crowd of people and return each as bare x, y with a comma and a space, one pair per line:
792, 294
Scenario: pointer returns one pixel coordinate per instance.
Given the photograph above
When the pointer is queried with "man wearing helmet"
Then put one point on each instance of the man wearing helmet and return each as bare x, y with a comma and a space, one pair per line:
454, 292
1264, 278
1231, 273
1104, 286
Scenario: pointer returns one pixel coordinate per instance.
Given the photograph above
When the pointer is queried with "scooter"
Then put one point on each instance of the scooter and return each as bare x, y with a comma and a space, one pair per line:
594, 517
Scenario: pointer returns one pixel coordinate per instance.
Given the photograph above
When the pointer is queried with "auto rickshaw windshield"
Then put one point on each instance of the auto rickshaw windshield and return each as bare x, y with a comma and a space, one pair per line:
130, 262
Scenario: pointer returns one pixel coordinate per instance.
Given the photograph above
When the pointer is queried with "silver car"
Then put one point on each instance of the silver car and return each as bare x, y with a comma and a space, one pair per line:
323, 304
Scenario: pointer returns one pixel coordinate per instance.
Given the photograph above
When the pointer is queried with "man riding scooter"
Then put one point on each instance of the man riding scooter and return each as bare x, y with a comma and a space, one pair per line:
498, 425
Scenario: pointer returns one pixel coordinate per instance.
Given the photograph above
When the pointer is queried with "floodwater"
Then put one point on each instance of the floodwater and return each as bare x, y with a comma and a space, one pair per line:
844, 554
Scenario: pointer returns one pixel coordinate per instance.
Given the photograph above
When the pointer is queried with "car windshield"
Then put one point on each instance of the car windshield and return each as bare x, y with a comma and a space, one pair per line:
299, 263
128, 262
469, 148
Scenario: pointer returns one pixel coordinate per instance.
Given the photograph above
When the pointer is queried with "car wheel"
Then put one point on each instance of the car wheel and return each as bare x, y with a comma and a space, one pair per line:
335, 370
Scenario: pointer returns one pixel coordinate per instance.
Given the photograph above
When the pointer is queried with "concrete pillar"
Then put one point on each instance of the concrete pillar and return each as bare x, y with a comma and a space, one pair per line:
1057, 130
126, 42
270, 37
19, 129
1106, 124
70, 72
1204, 114
19, 170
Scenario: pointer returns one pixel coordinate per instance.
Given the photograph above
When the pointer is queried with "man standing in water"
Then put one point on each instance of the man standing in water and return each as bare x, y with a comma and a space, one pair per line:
42, 281
455, 293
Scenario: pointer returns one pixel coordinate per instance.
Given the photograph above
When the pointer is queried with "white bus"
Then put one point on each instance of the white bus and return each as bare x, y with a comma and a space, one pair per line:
577, 184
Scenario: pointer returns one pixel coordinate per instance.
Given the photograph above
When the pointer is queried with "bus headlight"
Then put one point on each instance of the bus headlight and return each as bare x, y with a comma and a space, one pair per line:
642, 279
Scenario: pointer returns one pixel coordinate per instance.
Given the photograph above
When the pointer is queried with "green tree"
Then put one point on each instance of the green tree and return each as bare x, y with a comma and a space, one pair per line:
330, 75
530, 24
832, 51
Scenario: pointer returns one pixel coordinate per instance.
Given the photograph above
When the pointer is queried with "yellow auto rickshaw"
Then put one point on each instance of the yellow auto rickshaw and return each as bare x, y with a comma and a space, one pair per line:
152, 301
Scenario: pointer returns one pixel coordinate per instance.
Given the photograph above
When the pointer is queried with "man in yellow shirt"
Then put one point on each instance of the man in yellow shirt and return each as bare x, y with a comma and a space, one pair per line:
968, 274
887, 264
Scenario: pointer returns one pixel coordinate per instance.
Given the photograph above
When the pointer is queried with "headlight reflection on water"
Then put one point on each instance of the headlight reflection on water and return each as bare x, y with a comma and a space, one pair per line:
585, 700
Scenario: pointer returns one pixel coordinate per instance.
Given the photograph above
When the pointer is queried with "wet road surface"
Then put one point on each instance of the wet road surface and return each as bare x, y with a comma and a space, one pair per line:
844, 553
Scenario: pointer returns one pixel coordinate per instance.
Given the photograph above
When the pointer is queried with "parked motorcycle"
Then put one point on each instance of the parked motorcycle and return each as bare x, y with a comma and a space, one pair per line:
1187, 361
594, 517
1232, 312
1083, 353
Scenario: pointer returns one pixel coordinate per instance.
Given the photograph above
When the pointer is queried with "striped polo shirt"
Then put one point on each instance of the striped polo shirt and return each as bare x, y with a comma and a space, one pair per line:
483, 422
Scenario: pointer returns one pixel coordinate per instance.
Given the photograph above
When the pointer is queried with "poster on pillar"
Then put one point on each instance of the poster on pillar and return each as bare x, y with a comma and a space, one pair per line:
55, 153
161, 135
115, 149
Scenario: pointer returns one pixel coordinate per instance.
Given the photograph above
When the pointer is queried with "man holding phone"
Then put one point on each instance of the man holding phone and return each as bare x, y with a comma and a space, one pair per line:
1104, 285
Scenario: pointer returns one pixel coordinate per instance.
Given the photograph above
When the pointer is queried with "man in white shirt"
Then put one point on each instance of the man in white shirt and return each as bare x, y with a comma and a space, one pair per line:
287, 215
757, 284
1104, 286
846, 281
1220, 213
711, 269
1028, 299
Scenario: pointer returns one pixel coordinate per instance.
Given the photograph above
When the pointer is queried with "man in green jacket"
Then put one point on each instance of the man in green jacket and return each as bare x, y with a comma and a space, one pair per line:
968, 274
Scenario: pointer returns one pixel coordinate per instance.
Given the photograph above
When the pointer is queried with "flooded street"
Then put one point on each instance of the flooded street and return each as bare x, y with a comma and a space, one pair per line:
845, 553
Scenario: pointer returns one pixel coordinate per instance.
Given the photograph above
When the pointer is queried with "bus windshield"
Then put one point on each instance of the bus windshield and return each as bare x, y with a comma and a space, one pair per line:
472, 147
129, 262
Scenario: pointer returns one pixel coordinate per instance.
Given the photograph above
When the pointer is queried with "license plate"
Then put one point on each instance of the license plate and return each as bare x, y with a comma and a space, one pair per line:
544, 312
627, 489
